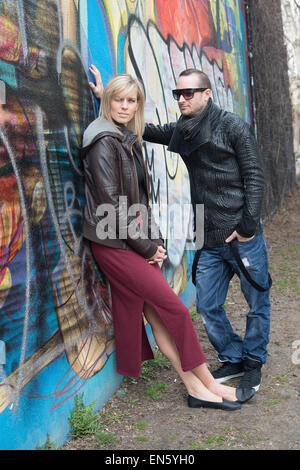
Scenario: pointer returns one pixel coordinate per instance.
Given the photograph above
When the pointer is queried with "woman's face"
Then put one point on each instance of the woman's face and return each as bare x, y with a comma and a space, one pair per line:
123, 106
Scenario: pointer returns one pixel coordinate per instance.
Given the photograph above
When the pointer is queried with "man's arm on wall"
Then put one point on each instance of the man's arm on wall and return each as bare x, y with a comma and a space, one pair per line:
159, 134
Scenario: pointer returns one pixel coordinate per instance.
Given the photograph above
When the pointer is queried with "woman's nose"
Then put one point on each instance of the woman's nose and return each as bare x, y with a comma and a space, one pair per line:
124, 104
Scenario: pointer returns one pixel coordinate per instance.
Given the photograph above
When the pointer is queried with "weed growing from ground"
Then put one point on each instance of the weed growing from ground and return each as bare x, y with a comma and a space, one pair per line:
83, 420
48, 444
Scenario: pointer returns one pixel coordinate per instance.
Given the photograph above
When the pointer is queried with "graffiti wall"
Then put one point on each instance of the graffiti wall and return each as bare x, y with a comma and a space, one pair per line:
56, 335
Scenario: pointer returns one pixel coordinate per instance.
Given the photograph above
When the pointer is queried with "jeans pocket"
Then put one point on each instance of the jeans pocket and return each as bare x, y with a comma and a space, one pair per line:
254, 257
248, 242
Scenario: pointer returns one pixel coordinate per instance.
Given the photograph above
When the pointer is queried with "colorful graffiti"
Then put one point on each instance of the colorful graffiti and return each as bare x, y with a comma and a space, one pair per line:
55, 318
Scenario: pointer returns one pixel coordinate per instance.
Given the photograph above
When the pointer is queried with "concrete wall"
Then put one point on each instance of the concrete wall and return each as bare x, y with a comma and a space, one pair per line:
55, 318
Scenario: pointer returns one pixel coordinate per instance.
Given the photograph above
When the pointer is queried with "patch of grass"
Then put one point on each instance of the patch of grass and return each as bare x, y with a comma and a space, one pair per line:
228, 429
211, 441
148, 371
154, 391
121, 392
281, 284
248, 439
217, 440
142, 438
48, 444
160, 360
150, 368
194, 314
276, 401
221, 440
182, 420
105, 439
139, 425
133, 402
114, 416
282, 252
84, 420
193, 445
282, 379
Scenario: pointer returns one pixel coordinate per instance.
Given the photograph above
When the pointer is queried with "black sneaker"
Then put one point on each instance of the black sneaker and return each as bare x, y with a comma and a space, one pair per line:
252, 375
227, 371
251, 380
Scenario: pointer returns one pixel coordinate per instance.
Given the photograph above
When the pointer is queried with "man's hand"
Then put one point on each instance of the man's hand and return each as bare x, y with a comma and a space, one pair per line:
159, 256
98, 88
239, 237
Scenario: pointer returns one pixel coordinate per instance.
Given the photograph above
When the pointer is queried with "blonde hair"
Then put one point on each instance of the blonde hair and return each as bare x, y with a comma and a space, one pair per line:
116, 85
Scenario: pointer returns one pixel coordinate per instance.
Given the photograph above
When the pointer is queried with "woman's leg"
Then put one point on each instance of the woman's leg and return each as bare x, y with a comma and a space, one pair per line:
203, 374
199, 382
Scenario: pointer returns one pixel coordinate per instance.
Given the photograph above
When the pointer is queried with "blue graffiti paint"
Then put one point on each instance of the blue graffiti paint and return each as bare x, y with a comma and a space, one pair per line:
100, 39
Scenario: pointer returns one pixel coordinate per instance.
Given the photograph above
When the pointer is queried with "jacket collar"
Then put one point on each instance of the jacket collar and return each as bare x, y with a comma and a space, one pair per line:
178, 144
100, 128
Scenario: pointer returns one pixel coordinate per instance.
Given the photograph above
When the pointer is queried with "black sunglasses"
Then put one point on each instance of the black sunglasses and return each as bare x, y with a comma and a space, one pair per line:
187, 93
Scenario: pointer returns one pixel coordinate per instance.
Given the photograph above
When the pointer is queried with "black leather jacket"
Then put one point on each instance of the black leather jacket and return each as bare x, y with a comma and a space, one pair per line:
110, 170
224, 169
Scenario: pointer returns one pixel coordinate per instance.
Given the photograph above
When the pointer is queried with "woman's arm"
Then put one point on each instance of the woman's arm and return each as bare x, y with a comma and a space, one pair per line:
98, 87
156, 134
104, 178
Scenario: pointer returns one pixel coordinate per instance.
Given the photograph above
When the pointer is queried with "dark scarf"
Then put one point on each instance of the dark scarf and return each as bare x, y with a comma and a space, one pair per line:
190, 126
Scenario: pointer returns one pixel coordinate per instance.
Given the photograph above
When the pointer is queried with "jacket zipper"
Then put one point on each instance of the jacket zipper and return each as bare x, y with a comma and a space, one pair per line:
135, 170
147, 181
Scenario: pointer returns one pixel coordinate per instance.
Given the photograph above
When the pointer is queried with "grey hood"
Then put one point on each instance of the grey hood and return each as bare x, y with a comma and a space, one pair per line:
96, 130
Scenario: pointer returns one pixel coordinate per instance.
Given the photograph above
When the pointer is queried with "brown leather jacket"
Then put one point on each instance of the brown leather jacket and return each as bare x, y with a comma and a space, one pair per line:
110, 173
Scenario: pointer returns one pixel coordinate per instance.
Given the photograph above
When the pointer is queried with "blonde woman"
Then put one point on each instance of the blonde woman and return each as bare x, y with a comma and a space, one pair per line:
128, 248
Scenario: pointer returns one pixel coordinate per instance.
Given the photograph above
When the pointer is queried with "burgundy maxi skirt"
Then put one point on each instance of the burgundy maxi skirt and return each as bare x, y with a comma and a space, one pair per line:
134, 281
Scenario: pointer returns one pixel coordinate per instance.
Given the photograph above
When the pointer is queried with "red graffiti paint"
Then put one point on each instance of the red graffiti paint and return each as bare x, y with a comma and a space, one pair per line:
187, 21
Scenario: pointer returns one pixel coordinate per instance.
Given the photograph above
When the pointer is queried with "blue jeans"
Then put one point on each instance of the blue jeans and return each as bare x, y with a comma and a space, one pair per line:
215, 269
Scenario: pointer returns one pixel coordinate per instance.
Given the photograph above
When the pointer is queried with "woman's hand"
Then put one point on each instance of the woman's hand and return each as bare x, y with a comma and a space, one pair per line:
159, 256
98, 88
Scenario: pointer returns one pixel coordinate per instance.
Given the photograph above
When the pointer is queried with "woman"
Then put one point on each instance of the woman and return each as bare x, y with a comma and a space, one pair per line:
128, 253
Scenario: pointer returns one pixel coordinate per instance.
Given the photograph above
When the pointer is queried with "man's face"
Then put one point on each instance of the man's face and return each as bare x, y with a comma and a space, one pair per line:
196, 105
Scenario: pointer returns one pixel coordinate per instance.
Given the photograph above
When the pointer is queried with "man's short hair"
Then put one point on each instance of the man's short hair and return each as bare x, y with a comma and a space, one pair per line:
204, 81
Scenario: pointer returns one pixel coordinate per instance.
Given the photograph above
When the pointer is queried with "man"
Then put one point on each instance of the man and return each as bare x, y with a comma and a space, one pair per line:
221, 156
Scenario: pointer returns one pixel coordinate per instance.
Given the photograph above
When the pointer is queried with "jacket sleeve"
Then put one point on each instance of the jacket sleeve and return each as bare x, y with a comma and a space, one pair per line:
248, 158
159, 134
104, 172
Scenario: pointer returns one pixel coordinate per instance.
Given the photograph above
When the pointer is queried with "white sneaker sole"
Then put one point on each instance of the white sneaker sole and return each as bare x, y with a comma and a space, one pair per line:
228, 377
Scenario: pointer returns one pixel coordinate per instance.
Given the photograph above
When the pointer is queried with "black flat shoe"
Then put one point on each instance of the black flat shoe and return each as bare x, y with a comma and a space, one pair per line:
223, 405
